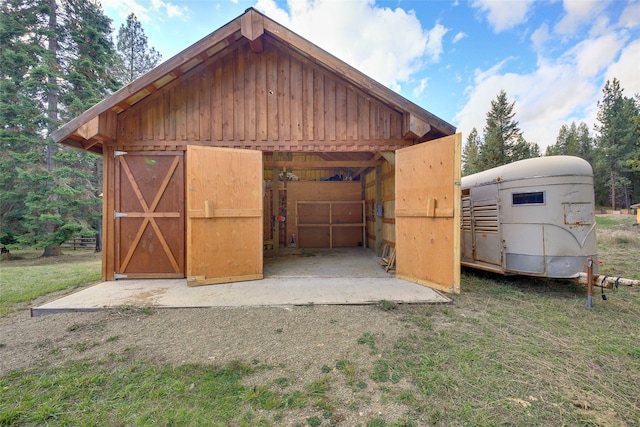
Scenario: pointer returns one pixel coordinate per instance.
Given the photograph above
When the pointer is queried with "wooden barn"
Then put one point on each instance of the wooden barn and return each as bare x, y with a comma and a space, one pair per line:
253, 140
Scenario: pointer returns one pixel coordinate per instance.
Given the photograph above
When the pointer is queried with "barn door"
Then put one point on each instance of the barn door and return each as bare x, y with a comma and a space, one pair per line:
149, 214
428, 213
224, 215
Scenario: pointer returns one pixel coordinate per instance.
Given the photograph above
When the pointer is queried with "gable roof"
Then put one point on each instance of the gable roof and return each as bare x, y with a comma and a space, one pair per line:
97, 125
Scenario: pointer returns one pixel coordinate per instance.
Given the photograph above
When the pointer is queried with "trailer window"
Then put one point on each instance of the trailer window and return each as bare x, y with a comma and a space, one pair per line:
535, 198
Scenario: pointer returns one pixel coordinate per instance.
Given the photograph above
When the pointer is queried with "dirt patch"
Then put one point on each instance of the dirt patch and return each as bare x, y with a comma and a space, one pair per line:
302, 344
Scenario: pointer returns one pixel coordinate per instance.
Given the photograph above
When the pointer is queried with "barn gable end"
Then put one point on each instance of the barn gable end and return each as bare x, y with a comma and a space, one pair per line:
275, 100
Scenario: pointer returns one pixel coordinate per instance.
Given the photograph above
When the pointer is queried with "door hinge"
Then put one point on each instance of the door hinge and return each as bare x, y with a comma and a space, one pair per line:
117, 214
118, 153
117, 276
458, 183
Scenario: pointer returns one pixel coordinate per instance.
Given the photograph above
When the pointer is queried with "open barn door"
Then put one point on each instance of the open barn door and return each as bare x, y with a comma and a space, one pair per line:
427, 213
224, 215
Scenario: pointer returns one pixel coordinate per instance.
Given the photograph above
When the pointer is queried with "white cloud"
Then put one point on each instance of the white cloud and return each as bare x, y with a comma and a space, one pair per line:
421, 87
627, 69
146, 12
579, 13
630, 17
434, 41
591, 56
540, 37
389, 45
557, 91
459, 36
122, 8
504, 15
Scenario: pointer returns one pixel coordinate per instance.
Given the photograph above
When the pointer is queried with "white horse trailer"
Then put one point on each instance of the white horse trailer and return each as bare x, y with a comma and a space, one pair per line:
532, 217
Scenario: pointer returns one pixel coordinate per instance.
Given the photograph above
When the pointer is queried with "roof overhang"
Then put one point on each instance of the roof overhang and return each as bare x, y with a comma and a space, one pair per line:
98, 125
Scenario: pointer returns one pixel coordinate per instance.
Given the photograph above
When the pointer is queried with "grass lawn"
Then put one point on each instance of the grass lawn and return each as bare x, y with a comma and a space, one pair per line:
26, 276
508, 351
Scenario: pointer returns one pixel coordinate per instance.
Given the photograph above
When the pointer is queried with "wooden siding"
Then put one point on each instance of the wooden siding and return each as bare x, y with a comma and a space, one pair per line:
317, 191
273, 101
388, 203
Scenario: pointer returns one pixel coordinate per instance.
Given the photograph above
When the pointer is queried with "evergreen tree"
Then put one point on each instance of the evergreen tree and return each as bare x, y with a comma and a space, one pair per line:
49, 71
21, 111
572, 141
470, 154
616, 142
136, 57
524, 150
90, 57
503, 142
585, 142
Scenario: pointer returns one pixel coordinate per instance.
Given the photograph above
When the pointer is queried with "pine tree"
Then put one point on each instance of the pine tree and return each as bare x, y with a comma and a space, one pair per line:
49, 73
572, 141
616, 142
136, 57
470, 154
21, 113
503, 140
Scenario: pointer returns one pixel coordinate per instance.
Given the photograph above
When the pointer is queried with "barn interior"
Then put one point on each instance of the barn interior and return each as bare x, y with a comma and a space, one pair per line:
308, 205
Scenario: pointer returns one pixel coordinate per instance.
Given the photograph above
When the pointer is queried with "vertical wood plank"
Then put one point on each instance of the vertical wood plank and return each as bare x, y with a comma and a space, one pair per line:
261, 96
308, 102
238, 96
205, 104
171, 114
363, 118
147, 122
216, 104
330, 108
192, 93
284, 102
373, 120
273, 96
296, 105
386, 118
181, 111
318, 105
227, 100
251, 94
160, 116
341, 112
352, 115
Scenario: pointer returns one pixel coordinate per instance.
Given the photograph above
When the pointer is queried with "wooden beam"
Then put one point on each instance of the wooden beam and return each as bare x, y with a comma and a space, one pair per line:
330, 164
100, 128
416, 128
252, 27
390, 157
364, 168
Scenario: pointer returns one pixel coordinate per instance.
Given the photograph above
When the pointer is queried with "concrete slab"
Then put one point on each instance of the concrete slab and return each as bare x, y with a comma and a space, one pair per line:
344, 276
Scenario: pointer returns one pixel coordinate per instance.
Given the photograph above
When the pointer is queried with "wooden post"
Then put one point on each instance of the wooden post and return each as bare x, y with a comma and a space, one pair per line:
378, 222
589, 283
275, 210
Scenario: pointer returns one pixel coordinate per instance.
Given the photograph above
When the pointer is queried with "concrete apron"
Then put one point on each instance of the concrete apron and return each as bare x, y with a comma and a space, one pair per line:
295, 277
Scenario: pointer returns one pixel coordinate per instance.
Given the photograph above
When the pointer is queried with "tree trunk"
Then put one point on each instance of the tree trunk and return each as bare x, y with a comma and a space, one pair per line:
52, 250
613, 191
52, 114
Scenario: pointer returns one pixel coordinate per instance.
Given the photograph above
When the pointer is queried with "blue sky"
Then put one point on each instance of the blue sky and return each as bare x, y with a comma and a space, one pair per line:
450, 57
